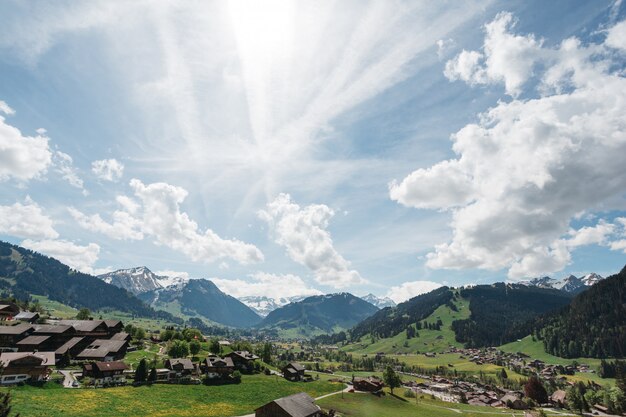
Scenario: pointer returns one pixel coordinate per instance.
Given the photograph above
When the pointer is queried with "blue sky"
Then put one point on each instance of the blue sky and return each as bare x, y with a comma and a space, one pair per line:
287, 148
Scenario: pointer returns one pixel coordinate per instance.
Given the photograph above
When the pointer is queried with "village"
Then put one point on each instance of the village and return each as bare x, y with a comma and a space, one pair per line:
91, 353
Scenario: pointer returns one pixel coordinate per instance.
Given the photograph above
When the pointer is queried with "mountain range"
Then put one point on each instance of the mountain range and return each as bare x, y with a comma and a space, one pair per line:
571, 284
380, 302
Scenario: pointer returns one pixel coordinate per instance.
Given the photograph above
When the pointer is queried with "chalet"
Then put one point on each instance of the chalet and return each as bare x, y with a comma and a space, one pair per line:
95, 329
8, 311
297, 405
25, 366
216, 367
59, 334
293, 371
369, 384
180, 369
242, 358
104, 350
106, 373
72, 347
513, 401
10, 335
35, 344
27, 316
559, 398
114, 326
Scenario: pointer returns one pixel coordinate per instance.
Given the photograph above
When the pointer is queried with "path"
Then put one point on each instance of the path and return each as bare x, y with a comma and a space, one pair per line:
68, 379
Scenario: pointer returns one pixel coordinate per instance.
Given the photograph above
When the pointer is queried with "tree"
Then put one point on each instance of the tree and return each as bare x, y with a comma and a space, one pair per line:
391, 378
5, 404
237, 376
141, 371
503, 374
139, 333
266, 354
535, 390
214, 347
178, 349
194, 347
83, 314
153, 375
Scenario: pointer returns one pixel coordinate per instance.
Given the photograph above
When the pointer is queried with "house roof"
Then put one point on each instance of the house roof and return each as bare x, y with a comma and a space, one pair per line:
244, 354
559, 395
47, 358
217, 362
298, 405
111, 366
100, 348
83, 325
296, 366
113, 323
18, 329
11, 307
53, 328
33, 340
26, 315
187, 364
68, 345
120, 336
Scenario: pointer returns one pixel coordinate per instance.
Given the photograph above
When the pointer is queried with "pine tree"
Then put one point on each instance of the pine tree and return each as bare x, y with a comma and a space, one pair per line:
141, 372
153, 375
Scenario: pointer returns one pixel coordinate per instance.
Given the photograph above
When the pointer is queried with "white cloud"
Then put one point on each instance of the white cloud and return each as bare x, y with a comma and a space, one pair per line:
302, 231
26, 221
506, 57
268, 285
81, 258
407, 290
444, 46
64, 165
21, 157
155, 212
108, 169
616, 36
528, 167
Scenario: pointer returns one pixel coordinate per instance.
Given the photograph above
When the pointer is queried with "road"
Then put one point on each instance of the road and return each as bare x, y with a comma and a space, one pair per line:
68, 378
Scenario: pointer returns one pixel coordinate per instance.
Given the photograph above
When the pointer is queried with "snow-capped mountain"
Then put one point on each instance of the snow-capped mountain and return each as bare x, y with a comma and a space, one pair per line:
139, 280
263, 305
380, 302
571, 284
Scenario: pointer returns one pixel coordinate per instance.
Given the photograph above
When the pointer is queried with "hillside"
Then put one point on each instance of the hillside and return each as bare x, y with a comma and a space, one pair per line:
201, 297
593, 325
501, 313
318, 314
24, 272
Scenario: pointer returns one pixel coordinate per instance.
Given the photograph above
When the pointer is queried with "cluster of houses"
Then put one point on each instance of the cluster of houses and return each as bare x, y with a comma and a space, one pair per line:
29, 349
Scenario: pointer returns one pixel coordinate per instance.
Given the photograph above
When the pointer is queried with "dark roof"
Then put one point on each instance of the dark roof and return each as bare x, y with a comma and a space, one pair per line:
187, 364
113, 323
101, 347
47, 358
110, 366
33, 340
12, 307
18, 329
298, 405
296, 366
217, 362
83, 325
52, 328
120, 336
244, 354
26, 315
68, 345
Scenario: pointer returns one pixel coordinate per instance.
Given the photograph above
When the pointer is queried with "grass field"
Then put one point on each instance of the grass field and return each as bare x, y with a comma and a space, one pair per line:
161, 400
428, 340
368, 405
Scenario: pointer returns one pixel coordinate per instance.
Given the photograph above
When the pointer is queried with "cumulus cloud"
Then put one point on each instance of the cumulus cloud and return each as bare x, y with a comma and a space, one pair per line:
266, 285
21, 157
506, 58
408, 290
81, 258
616, 36
155, 211
26, 221
108, 169
528, 167
302, 231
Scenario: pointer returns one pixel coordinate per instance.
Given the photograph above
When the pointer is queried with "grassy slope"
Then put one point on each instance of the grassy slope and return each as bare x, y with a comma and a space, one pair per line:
161, 400
367, 405
428, 340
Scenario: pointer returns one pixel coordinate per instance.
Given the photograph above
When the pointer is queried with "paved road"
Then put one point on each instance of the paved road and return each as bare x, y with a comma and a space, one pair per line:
68, 378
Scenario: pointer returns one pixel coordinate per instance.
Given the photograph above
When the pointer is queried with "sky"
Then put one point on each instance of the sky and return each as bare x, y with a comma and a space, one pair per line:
288, 148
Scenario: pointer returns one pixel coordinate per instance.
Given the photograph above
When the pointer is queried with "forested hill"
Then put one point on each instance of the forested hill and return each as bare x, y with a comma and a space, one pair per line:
392, 320
501, 313
24, 272
593, 325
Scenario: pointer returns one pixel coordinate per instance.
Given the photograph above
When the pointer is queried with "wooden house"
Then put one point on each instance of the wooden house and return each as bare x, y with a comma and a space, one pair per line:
297, 405
27, 316
180, 369
25, 366
36, 343
72, 347
105, 373
293, 371
242, 359
8, 311
369, 384
216, 367
94, 329
10, 335
104, 350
